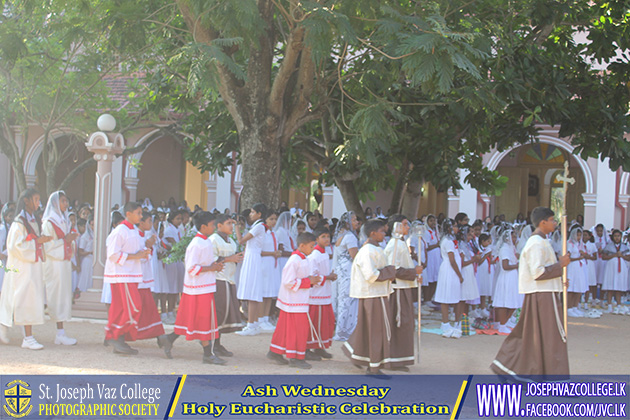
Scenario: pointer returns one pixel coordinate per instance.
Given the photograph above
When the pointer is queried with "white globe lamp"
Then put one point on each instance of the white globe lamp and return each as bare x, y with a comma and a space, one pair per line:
106, 122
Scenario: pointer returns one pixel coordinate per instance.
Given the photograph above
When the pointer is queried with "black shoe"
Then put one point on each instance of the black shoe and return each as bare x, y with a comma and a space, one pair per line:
277, 358
219, 350
299, 363
121, 347
312, 356
322, 353
213, 360
106, 342
165, 344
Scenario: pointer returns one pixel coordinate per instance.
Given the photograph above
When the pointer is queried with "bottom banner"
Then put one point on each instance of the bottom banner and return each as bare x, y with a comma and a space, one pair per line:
312, 397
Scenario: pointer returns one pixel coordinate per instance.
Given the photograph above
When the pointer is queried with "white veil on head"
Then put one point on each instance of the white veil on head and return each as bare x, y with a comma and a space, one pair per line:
605, 236
54, 214
505, 236
526, 233
573, 233
147, 204
284, 222
6, 209
556, 241
293, 233
88, 229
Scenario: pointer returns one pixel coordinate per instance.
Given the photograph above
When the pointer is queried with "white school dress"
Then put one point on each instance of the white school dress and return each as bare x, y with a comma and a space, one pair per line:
157, 266
591, 266
506, 291
3, 249
485, 275
600, 244
86, 244
434, 257
174, 272
282, 237
23, 291
270, 266
616, 273
250, 285
448, 290
575, 270
470, 291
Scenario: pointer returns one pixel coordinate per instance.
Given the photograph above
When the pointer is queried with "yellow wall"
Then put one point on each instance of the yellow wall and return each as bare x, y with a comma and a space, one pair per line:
194, 187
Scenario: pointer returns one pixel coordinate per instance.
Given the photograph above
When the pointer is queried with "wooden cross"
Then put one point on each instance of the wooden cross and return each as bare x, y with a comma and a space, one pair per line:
564, 178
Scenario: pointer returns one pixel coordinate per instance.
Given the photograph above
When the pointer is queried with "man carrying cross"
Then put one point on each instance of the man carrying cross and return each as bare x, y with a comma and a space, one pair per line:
538, 343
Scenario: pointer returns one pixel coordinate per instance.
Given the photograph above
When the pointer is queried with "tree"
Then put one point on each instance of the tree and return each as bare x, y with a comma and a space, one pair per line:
366, 89
55, 58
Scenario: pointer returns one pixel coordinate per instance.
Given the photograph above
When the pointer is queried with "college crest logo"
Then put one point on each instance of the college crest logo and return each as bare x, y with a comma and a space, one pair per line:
17, 398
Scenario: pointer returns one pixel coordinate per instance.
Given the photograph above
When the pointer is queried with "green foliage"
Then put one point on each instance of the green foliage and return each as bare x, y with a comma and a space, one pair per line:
178, 251
412, 88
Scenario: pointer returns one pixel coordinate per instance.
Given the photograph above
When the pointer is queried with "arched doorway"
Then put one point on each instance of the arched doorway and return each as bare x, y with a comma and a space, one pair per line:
531, 171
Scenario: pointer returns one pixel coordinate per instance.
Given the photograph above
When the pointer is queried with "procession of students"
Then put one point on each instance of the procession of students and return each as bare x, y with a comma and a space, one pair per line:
307, 281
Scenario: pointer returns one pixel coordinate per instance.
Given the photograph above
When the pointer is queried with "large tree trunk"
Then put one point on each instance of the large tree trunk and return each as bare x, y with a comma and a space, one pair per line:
260, 156
411, 200
350, 196
401, 181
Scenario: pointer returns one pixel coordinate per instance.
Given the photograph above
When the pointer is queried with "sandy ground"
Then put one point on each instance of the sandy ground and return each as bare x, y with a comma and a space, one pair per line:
596, 346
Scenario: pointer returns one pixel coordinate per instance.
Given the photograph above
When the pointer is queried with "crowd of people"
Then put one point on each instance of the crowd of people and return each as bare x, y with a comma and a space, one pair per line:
308, 280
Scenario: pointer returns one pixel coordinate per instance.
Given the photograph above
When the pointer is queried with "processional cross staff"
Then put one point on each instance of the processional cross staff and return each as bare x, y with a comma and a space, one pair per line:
564, 178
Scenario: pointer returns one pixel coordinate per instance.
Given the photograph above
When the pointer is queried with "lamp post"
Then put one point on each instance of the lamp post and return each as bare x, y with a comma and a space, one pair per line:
105, 144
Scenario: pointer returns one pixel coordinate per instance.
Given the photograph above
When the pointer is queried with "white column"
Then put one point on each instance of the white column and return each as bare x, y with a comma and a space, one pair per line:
131, 184
224, 185
211, 193
339, 206
467, 197
605, 194
327, 201
453, 204
104, 146
117, 181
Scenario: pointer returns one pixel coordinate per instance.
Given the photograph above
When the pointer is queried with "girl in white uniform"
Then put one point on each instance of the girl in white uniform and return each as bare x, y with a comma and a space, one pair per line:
449, 284
470, 290
86, 252
616, 274
174, 271
506, 296
578, 283
601, 239
58, 264
281, 230
485, 273
23, 291
590, 257
251, 283
270, 267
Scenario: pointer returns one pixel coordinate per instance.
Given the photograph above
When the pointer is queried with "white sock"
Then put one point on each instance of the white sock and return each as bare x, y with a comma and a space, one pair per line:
61, 331
263, 319
30, 337
446, 324
251, 324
